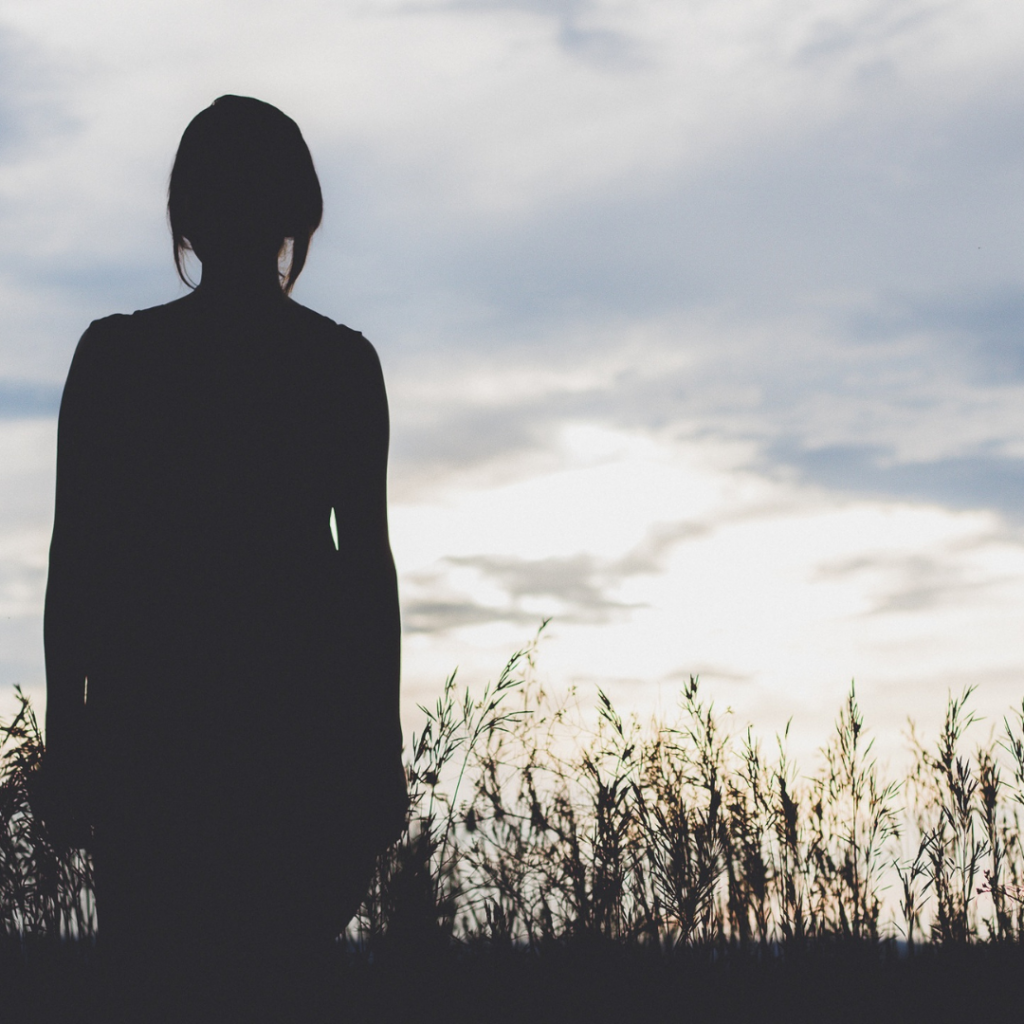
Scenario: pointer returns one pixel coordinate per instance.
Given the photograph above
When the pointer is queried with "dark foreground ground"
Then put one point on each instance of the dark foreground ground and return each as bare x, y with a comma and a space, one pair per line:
566, 985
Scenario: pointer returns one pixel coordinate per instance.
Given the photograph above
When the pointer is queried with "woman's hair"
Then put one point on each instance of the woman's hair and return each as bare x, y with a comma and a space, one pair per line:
243, 178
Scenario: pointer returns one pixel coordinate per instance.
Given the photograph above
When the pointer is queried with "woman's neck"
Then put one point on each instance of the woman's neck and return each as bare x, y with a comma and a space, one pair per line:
249, 271
248, 280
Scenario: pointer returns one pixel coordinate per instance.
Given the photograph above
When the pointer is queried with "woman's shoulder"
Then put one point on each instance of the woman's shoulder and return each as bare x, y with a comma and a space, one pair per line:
121, 326
344, 342
330, 329
99, 344
112, 343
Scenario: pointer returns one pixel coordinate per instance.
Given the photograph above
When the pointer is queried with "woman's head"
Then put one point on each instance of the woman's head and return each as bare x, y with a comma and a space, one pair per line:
242, 183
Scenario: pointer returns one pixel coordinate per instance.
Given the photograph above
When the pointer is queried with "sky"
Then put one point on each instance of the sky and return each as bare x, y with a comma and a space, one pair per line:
701, 322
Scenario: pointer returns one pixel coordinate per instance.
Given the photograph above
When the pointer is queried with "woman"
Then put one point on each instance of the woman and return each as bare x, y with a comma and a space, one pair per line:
221, 625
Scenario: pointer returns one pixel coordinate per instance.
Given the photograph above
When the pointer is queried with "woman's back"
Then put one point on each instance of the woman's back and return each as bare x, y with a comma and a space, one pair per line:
213, 442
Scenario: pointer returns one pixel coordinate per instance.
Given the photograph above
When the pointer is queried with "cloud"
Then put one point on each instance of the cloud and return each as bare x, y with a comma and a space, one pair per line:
434, 616
980, 330
31, 107
573, 587
576, 589
578, 583
20, 399
894, 415
583, 28
970, 481
914, 582
845, 293
26, 482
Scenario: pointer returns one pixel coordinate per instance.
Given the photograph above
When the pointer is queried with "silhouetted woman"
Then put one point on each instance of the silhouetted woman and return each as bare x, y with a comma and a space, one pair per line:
221, 628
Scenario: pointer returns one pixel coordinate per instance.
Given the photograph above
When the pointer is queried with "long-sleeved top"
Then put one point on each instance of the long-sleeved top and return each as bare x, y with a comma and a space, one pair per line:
222, 627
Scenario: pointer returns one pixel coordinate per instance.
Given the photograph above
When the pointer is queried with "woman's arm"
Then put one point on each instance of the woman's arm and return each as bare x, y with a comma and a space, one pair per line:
366, 563
65, 629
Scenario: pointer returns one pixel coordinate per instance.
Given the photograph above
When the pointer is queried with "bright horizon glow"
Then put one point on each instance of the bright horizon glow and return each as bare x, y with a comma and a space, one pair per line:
777, 595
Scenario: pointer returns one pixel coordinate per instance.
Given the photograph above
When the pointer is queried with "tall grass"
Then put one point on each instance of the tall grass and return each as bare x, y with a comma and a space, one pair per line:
535, 823
45, 887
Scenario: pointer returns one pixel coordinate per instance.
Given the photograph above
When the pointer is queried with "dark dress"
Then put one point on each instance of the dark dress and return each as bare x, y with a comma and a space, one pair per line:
239, 750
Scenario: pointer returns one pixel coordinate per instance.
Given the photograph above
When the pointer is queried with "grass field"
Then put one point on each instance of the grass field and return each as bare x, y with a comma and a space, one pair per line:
561, 867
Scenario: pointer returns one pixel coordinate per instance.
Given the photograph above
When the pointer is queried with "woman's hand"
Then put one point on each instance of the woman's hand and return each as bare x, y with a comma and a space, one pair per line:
57, 796
394, 804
